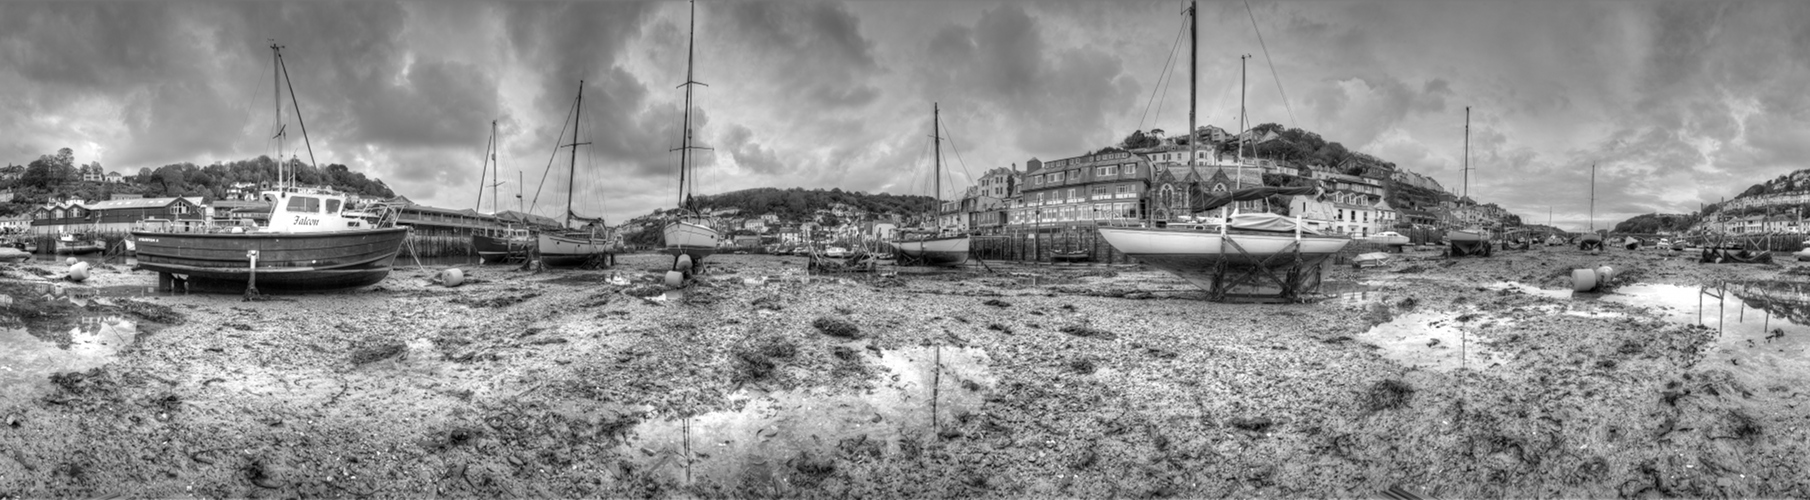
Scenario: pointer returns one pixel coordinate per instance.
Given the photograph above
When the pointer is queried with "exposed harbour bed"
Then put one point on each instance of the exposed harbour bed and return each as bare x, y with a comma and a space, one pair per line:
1448, 378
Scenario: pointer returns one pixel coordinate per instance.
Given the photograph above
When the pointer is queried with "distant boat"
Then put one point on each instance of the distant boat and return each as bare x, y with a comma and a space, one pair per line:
77, 244
1472, 235
574, 247
935, 247
314, 241
1390, 238
689, 237
505, 243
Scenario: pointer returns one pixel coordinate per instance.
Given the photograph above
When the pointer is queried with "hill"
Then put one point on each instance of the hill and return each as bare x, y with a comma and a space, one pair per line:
59, 177
793, 206
1654, 223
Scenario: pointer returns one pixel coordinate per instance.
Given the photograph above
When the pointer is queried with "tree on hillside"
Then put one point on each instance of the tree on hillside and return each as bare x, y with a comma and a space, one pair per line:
1138, 140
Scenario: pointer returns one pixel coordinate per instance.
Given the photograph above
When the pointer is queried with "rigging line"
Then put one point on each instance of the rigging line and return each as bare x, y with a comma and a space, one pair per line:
484, 170
1162, 79
958, 159
1272, 63
553, 156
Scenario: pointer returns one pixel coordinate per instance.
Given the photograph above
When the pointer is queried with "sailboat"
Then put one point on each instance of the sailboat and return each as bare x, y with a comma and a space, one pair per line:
934, 248
589, 244
497, 244
314, 240
689, 237
1198, 252
1472, 234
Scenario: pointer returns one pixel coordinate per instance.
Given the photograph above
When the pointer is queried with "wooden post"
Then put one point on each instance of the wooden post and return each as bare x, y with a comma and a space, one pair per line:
251, 282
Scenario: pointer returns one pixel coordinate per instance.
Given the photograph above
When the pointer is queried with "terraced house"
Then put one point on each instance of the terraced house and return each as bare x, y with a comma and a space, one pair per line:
1087, 189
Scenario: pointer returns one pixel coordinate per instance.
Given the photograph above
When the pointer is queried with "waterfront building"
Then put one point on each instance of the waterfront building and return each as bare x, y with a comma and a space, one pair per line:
1087, 189
113, 215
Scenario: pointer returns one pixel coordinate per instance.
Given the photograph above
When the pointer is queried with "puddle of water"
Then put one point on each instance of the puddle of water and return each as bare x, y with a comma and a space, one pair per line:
26, 362
1530, 290
764, 442
1435, 341
1764, 338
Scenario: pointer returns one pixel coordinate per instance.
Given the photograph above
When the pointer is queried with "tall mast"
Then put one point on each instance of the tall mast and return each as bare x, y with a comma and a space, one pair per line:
1593, 197
1242, 125
484, 170
1193, 62
295, 103
276, 88
495, 179
936, 137
572, 171
1467, 154
685, 144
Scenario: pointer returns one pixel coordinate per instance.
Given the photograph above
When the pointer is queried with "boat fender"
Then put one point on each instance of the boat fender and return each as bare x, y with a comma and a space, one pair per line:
452, 277
70, 261
674, 279
1583, 280
78, 272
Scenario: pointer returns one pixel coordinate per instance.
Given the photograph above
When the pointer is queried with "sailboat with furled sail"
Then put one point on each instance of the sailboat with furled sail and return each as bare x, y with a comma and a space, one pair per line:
1476, 235
587, 245
934, 248
497, 244
1203, 253
689, 237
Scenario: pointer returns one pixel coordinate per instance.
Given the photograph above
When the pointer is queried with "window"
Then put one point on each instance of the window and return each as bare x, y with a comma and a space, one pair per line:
1108, 170
1073, 195
1037, 180
57, 214
1100, 193
1125, 191
333, 206
1055, 177
304, 204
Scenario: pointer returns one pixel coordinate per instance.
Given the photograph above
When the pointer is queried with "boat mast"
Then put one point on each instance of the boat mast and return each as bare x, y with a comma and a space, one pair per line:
685, 146
937, 139
1593, 197
485, 169
572, 170
293, 102
1243, 122
1467, 152
1193, 62
276, 89
495, 179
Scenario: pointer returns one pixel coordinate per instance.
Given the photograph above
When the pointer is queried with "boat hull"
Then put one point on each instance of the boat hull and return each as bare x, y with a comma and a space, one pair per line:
946, 252
690, 238
558, 250
298, 261
76, 248
497, 249
1394, 240
1467, 235
1070, 256
1196, 255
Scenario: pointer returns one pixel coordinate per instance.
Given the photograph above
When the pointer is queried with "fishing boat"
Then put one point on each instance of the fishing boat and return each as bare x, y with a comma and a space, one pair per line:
589, 244
314, 239
1201, 252
498, 244
936, 246
689, 237
1070, 252
77, 244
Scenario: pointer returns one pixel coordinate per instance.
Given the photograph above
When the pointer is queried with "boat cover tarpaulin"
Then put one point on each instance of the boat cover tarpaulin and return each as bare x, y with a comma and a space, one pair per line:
1203, 201
1268, 222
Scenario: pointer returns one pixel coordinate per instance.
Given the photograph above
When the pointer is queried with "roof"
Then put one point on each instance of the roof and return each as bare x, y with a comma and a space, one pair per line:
138, 203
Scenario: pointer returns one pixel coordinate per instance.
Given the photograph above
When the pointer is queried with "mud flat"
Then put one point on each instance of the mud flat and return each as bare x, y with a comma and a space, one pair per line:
1450, 378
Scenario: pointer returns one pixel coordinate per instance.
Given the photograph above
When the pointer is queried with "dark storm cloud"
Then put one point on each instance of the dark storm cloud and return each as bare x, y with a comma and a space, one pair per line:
1056, 100
813, 51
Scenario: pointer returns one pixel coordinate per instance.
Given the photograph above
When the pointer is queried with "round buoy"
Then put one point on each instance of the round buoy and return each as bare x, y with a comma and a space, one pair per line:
674, 279
70, 261
1583, 280
1604, 274
452, 277
78, 272
682, 263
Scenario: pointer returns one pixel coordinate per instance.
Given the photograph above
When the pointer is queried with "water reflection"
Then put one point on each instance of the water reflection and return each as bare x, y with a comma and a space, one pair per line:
26, 361
1762, 333
764, 443
1439, 341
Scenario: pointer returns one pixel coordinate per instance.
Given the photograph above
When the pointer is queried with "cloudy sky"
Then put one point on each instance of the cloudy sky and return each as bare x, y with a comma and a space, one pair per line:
1679, 102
